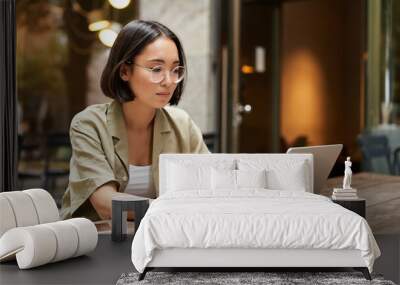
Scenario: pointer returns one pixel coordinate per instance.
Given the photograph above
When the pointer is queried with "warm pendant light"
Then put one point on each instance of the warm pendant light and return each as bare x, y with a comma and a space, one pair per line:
107, 36
97, 21
119, 4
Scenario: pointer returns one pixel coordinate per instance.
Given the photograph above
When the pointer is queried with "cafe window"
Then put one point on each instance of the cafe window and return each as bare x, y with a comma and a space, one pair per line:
62, 47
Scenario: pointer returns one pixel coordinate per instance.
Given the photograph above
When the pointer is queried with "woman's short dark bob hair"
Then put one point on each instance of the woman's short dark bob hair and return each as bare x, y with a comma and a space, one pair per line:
131, 40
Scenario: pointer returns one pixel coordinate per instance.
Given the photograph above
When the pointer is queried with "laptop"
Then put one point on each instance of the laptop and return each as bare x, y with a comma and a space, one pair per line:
325, 157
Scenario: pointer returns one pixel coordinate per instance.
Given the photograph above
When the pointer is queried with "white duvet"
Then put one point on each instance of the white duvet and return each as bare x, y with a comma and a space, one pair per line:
250, 218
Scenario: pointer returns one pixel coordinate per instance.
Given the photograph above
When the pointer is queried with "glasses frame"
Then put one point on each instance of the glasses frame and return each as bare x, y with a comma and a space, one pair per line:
150, 69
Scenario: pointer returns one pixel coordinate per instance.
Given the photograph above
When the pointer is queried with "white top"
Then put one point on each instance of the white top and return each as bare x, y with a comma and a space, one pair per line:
140, 181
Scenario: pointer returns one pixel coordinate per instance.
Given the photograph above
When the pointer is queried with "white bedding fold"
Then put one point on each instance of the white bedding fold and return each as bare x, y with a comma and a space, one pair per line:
250, 218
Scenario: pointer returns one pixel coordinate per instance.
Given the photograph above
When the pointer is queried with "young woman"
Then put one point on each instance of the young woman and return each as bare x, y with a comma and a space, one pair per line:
116, 146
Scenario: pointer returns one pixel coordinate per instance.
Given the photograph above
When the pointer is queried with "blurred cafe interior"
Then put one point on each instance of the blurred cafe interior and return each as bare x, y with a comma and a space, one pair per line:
263, 76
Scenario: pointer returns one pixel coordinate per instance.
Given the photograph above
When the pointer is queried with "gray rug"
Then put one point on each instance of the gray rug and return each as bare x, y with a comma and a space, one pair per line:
229, 278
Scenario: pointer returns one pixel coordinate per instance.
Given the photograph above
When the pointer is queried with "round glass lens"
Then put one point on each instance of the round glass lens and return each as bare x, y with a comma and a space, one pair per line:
158, 74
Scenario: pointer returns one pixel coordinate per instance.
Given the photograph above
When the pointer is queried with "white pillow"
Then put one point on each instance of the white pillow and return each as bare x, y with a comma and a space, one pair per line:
293, 180
182, 177
223, 179
283, 174
235, 179
251, 178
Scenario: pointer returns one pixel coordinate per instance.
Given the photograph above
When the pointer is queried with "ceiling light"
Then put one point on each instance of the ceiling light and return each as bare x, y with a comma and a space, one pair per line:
99, 25
247, 69
119, 4
97, 21
108, 36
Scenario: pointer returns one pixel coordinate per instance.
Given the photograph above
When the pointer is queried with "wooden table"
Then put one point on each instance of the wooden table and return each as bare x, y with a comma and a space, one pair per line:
382, 195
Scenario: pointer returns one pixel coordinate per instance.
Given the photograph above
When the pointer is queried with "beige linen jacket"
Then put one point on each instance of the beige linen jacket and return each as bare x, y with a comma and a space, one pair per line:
100, 151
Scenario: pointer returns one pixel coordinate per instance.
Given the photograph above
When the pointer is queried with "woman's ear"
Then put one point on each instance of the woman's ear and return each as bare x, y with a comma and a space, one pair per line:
125, 72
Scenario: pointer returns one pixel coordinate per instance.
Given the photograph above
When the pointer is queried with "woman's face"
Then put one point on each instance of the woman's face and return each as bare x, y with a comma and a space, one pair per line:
162, 52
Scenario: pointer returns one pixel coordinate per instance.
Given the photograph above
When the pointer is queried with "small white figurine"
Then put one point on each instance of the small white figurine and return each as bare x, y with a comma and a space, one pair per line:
347, 174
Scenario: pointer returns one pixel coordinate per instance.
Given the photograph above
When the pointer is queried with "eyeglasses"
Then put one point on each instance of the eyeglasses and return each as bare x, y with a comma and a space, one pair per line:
158, 73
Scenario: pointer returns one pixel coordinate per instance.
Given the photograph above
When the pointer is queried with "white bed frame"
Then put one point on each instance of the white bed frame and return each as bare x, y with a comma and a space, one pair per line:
250, 258
234, 257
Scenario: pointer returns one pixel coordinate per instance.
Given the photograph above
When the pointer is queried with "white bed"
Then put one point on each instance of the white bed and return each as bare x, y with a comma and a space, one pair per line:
202, 220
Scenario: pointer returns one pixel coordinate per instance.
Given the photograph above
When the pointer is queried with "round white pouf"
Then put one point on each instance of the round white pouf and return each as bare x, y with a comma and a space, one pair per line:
87, 235
40, 244
66, 238
34, 246
6, 215
45, 205
23, 208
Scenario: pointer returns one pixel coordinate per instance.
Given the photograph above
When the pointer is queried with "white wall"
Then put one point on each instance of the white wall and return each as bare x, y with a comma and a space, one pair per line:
190, 20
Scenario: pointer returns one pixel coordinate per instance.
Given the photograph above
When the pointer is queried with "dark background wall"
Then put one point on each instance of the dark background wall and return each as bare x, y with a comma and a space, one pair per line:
257, 27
